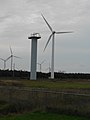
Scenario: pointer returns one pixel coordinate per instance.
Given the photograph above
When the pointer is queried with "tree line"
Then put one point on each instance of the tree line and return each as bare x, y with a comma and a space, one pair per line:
26, 75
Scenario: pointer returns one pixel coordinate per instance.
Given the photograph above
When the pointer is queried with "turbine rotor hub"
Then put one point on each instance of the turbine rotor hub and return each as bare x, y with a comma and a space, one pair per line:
54, 32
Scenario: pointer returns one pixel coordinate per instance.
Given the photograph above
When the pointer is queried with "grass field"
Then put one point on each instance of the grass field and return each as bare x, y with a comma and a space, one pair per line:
42, 116
73, 85
26, 96
55, 84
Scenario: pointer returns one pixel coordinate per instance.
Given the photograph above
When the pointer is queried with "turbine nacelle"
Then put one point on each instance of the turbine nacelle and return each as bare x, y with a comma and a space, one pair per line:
53, 32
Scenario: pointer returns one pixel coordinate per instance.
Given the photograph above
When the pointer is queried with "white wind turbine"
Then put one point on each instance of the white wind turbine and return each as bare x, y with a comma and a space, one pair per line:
4, 60
12, 57
49, 68
40, 64
52, 35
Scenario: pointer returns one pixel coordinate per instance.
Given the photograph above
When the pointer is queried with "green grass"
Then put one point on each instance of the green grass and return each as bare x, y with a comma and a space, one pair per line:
51, 84
42, 116
56, 85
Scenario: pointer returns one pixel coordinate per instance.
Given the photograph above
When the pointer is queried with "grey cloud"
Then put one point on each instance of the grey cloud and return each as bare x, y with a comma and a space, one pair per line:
19, 18
3, 18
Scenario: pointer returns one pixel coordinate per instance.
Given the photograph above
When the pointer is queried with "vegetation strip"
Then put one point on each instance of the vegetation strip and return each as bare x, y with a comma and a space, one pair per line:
67, 97
42, 90
42, 116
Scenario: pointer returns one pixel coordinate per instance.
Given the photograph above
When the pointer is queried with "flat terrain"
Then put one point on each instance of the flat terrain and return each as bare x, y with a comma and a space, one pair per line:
72, 85
70, 96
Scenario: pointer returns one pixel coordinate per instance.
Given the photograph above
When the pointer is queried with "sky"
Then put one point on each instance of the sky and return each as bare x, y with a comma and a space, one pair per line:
20, 18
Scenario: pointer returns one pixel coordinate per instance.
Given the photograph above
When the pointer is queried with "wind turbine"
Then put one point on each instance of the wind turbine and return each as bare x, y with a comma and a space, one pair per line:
52, 35
12, 57
48, 68
4, 60
41, 64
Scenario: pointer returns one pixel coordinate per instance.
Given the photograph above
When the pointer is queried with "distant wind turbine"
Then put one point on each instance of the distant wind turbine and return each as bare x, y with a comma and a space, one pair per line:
12, 57
40, 64
52, 35
49, 68
4, 60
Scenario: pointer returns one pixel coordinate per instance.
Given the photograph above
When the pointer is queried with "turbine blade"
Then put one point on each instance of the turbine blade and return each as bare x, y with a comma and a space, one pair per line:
2, 59
11, 50
47, 23
8, 58
42, 61
64, 32
48, 41
17, 57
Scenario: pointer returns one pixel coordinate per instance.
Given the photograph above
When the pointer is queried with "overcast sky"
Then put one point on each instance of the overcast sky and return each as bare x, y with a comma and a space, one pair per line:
20, 18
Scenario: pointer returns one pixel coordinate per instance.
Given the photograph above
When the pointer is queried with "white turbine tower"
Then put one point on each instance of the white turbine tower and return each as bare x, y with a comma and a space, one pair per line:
53, 39
12, 57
